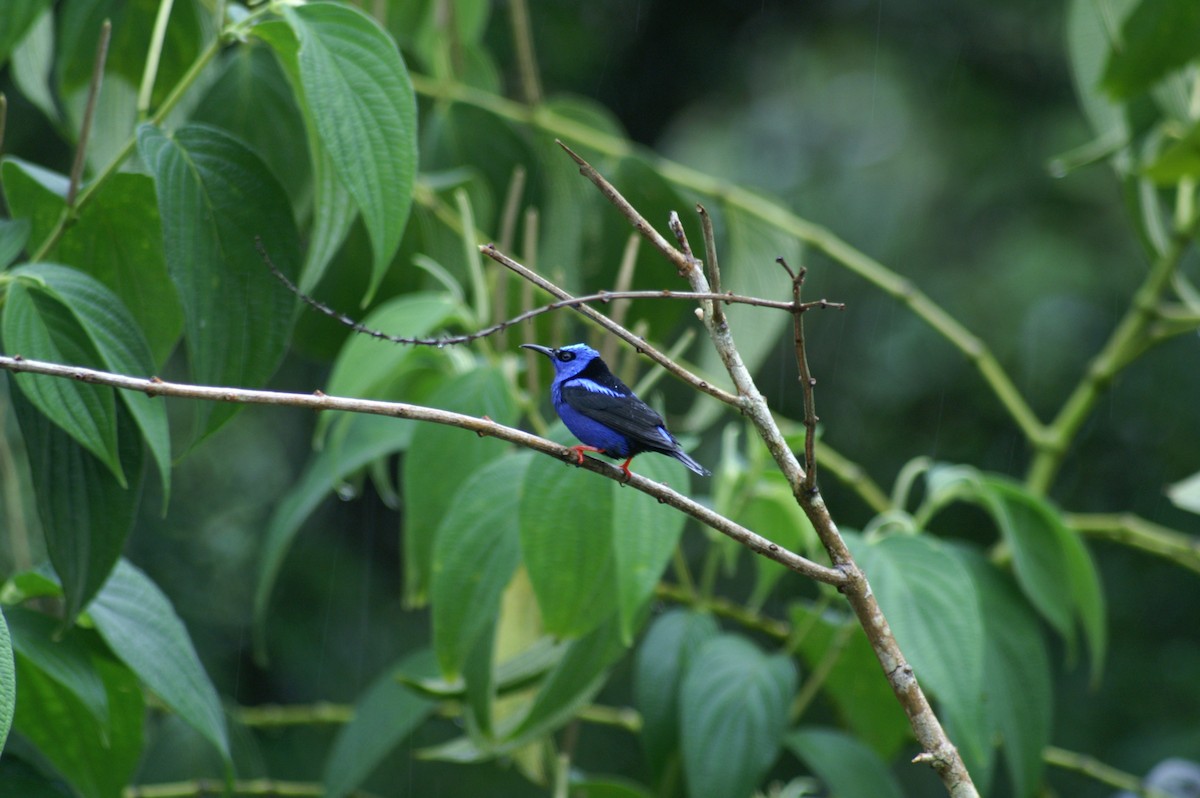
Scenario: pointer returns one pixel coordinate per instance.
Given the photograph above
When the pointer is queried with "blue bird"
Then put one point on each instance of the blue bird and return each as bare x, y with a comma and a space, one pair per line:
603, 413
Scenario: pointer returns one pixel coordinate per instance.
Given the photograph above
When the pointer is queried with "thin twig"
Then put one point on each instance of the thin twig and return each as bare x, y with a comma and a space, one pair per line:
608, 349
1138, 533
807, 383
624, 334
481, 426
711, 264
150, 74
574, 302
1096, 770
89, 112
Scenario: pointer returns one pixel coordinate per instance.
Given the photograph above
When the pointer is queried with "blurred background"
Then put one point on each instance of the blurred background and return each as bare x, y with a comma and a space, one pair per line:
920, 131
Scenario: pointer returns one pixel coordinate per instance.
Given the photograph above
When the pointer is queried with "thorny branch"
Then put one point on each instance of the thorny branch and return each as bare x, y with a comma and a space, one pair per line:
602, 297
939, 752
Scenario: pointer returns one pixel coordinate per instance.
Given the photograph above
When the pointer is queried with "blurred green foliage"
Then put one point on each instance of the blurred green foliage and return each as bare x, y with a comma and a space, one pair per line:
998, 158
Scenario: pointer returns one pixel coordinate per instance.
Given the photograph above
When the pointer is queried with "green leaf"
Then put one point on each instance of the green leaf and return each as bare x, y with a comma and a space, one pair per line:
118, 240
98, 760
132, 26
357, 89
215, 197
1051, 563
931, 604
593, 547
13, 235
62, 655
733, 715
8, 681
141, 627
847, 767
476, 550
252, 100
440, 458
385, 714
1178, 160
1185, 494
1017, 675
644, 535
333, 207
121, 348
366, 366
771, 510
659, 666
362, 439
86, 514
864, 702
1158, 37
608, 788
571, 683
566, 544
18, 18
1088, 46
40, 327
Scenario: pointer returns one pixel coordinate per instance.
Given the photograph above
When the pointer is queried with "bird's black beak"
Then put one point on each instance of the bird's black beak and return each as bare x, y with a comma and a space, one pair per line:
545, 350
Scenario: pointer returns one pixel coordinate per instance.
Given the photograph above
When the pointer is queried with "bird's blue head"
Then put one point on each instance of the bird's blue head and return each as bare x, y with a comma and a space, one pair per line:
568, 360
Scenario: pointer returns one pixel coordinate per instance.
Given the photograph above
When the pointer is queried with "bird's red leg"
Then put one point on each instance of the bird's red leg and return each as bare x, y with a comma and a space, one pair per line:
625, 468
579, 450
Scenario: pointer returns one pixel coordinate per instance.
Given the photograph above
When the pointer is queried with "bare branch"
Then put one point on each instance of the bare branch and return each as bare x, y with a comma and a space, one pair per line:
480, 426
89, 112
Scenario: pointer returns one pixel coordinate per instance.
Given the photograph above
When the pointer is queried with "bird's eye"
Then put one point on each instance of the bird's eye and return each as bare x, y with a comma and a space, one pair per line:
566, 357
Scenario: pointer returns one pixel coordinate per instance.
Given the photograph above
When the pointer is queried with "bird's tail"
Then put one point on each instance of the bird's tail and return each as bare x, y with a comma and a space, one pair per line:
686, 459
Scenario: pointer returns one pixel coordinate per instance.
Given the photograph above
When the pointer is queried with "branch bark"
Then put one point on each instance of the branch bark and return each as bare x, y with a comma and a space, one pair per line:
480, 426
939, 752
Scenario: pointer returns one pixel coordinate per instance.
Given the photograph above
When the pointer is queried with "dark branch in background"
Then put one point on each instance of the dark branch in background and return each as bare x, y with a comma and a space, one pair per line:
89, 113
480, 426
573, 302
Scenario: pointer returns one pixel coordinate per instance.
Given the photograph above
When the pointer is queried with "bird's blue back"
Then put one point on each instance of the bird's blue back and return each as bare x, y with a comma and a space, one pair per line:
603, 412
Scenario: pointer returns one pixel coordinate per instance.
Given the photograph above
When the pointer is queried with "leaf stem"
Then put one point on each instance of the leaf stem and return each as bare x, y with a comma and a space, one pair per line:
153, 56
1125, 342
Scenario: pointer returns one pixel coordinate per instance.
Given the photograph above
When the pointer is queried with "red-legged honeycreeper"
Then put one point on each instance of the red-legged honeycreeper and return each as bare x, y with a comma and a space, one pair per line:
603, 413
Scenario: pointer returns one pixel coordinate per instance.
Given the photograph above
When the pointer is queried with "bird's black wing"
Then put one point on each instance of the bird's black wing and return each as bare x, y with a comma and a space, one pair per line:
623, 413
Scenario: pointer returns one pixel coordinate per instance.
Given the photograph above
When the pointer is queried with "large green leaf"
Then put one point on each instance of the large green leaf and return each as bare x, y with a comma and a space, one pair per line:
861, 696
117, 239
593, 547
86, 514
933, 609
357, 89
97, 759
658, 670
1089, 42
572, 682
13, 235
333, 207
38, 326
141, 627
440, 458
1051, 563
8, 682
215, 196
18, 16
363, 439
111, 330
1159, 36
848, 768
61, 655
1017, 675
733, 715
385, 714
475, 552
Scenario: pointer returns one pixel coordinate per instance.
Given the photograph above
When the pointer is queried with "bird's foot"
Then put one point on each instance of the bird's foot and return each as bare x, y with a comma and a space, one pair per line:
625, 468
579, 450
